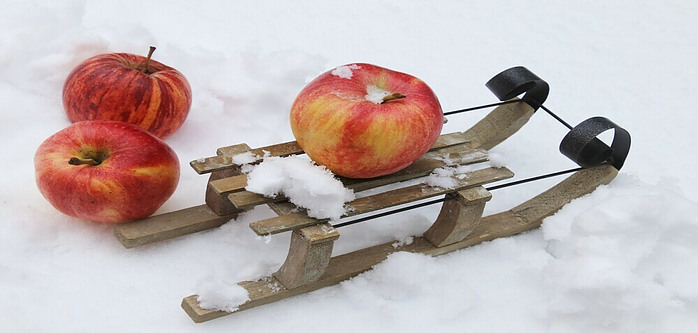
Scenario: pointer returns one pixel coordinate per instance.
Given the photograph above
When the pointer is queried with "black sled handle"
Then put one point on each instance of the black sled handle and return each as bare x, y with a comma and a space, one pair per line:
516, 81
581, 144
583, 147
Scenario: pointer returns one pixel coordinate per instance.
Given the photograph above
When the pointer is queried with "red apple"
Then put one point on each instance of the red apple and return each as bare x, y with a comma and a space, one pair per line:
363, 121
106, 171
128, 88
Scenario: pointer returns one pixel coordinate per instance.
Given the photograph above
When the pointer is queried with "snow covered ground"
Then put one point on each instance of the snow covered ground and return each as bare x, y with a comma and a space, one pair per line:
623, 259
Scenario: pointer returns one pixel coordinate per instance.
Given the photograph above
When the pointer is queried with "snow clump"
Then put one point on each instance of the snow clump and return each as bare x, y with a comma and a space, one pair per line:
497, 160
245, 158
304, 183
449, 177
443, 177
345, 71
375, 94
215, 294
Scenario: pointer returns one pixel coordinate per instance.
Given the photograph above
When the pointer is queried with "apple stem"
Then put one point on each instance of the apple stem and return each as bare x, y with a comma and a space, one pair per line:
80, 161
392, 97
146, 63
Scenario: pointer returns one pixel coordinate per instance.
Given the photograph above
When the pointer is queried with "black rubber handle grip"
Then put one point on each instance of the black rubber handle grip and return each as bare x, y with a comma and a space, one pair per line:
583, 147
516, 81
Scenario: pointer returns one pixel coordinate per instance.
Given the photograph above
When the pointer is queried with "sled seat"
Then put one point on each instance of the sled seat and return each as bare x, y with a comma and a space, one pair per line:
311, 240
226, 198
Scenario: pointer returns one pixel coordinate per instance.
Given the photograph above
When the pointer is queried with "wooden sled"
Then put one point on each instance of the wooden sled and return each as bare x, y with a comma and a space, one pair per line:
309, 264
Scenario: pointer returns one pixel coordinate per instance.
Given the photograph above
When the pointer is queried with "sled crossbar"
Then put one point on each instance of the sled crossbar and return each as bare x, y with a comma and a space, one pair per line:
223, 159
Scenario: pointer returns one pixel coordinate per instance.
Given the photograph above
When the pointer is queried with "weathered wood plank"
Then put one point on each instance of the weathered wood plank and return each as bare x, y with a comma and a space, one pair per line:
458, 217
445, 153
308, 255
526, 216
168, 225
458, 155
211, 164
387, 199
223, 160
229, 184
499, 125
217, 202
576, 185
450, 139
281, 149
283, 207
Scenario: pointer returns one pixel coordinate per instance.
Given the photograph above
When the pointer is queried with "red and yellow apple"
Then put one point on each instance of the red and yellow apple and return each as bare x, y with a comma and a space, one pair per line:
364, 121
106, 171
129, 88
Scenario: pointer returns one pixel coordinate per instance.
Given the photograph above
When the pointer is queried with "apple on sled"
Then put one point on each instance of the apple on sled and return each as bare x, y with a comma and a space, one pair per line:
364, 121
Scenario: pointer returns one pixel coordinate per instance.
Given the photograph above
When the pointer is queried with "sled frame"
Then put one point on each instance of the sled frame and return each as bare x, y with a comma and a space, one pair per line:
309, 264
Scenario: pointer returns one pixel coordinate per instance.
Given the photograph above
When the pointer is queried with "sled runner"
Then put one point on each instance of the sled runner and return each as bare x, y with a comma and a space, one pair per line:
309, 264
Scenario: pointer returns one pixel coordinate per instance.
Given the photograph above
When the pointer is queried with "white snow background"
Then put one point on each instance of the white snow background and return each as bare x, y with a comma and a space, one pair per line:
623, 259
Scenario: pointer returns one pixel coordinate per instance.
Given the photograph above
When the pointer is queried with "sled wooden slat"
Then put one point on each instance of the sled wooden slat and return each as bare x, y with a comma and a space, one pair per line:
458, 154
499, 125
228, 184
223, 159
437, 158
382, 200
169, 225
283, 207
424, 166
524, 217
281, 149
211, 164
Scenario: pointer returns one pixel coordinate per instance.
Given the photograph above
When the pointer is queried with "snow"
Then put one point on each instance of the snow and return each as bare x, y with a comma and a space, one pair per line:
608, 261
375, 94
497, 160
219, 294
345, 71
403, 242
622, 259
443, 177
449, 176
244, 158
303, 182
